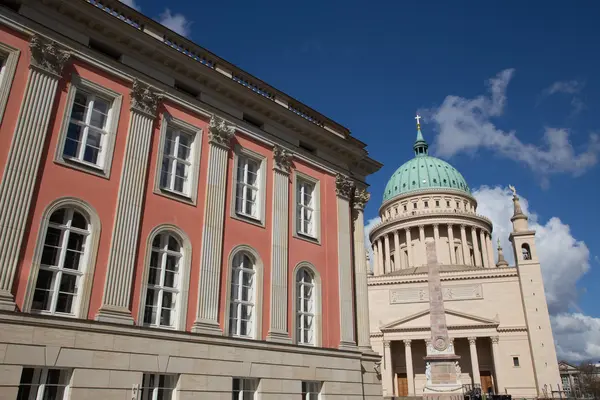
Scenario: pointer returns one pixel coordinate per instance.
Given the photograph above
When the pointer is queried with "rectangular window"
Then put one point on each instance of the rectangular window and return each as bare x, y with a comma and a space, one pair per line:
177, 162
515, 361
437, 203
247, 192
415, 206
448, 203
87, 133
244, 389
43, 383
305, 198
311, 390
426, 204
8, 65
158, 387
404, 207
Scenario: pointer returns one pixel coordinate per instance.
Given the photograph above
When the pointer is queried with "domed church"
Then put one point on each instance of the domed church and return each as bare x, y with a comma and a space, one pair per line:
491, 318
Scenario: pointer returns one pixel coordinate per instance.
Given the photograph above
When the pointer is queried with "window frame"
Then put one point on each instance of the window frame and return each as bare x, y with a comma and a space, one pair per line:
242, 152
258, 292
40, 374
90, 258
153, 395
167, 120
184, 276
240, 395
7, 74
317, 291
299, 177
516, 364
83, 84
306, 389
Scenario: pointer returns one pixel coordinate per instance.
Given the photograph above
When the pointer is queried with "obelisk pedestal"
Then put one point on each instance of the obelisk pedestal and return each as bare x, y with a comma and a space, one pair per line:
441, 369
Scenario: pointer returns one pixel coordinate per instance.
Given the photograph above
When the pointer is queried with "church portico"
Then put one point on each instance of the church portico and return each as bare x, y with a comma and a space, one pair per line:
403, 370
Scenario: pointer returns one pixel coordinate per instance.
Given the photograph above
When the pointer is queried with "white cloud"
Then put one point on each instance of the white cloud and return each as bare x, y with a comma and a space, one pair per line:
572, 88
465, 125
368, 227
131, 3
564, 262
176, 22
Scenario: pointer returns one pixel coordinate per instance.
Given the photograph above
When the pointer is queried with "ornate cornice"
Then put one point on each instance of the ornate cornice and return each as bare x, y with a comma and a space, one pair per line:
282, 159
344, 187
421, 277
47, 55
220, 133
361, 198
144, 98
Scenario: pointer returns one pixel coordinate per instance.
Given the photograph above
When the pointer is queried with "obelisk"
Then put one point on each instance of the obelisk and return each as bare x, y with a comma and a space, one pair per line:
442, 367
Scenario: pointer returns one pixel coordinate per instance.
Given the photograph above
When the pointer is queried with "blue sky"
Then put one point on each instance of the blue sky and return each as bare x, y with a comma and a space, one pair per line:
507, 92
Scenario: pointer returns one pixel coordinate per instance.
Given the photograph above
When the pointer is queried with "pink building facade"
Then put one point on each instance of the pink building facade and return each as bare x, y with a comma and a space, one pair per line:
169, 225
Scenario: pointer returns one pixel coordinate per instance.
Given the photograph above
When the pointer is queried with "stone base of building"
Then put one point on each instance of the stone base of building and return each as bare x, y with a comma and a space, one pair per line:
106, 361
443, 396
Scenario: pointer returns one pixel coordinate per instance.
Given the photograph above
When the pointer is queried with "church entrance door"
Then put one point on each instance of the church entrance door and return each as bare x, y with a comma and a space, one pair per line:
402, 385
486, 381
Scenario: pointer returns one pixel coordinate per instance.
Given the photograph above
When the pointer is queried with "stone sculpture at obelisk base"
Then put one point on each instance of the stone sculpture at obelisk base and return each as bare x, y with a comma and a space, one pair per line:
441, 363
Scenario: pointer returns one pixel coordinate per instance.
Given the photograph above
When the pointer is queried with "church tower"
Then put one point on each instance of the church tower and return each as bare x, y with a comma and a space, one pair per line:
541, 340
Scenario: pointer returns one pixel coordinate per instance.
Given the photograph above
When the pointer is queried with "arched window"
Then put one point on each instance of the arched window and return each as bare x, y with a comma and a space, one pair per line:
526, 251
64, 257
305, 307
242, 295
163, 285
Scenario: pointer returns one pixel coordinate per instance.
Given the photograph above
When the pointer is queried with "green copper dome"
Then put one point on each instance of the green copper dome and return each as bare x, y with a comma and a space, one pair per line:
424, 172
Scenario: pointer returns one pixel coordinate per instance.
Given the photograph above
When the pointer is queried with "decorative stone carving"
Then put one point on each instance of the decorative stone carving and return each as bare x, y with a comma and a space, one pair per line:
344, 187
144, 98
283, 159
428, 372
440, 343
407, 342
457, 368
495, 339
472, 340
220, 133
421, 294
48, 55
361, 198
386, 343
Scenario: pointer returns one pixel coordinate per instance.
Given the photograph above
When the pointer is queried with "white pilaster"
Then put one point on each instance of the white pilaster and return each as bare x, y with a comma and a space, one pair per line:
497, 364
388, 255
451, 244
345, 190
278, 330
422, 244
411, 262
361, 197
409, 367
387, 373
484, 255
465, 247
121, 261
474, 240
397, 257
207, 314
436, 238
488, 239
380, 255
23, 162
375, 260
474, 361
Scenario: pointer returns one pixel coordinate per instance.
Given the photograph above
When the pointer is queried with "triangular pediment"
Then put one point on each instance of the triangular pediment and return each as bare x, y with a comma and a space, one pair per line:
421, 320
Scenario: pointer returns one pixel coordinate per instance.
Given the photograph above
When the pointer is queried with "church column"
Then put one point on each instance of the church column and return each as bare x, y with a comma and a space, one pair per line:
23, 160
422, 242
411, 262
451, 244
278, 329
387, 374
474, 361
388, 255
207, 313
497, 364
484, 255
474, 240
344, 188
375, 260
465, 247
361, 197
380, 255
128, 215
488, 238
397, 256
409, 367
436, 237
